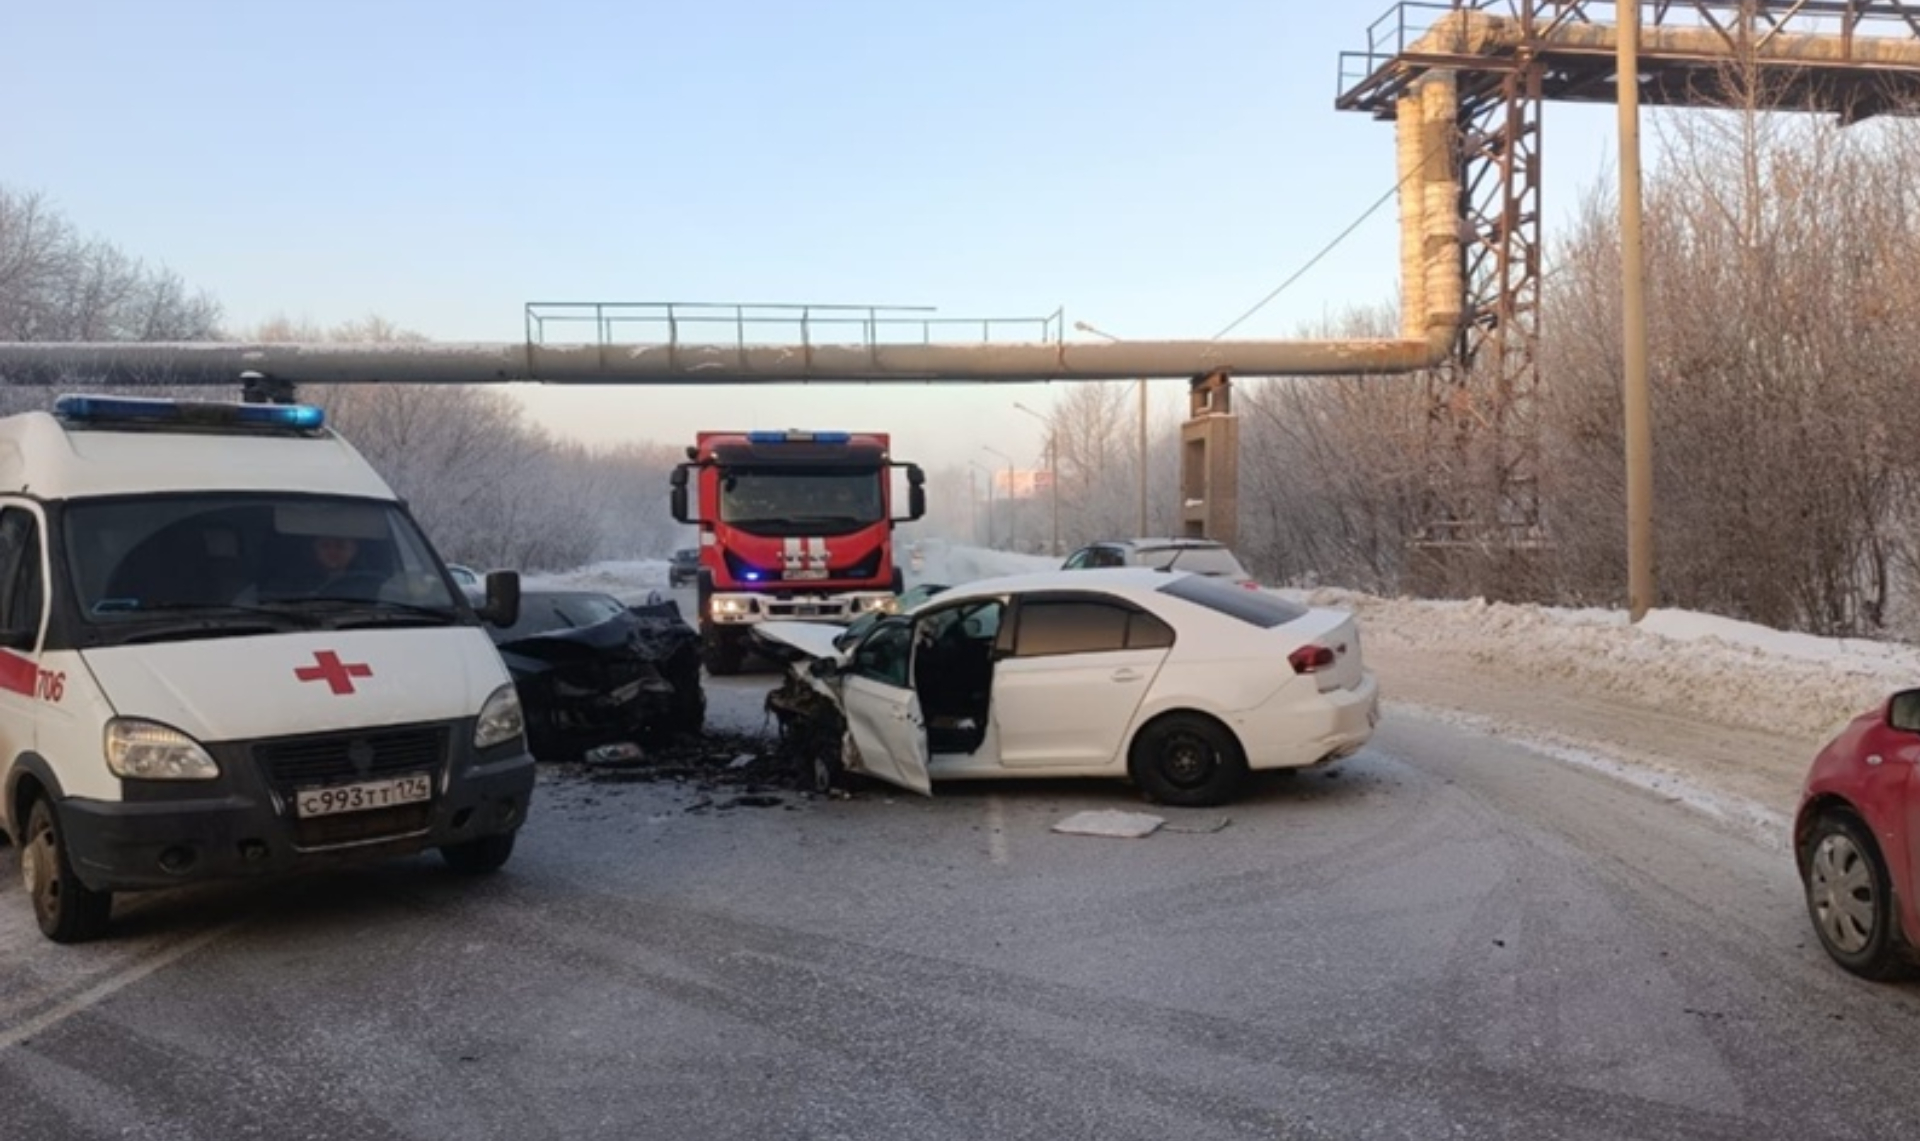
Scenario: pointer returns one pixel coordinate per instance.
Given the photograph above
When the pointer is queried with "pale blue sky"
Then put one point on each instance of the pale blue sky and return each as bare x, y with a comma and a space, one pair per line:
1154, 166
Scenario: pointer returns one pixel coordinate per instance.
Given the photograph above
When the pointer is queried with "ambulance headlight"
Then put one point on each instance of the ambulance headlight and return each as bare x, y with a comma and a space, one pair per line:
500, 720
148, 750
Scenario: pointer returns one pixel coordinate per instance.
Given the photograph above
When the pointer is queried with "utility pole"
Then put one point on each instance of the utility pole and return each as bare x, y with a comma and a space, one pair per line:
1633, 307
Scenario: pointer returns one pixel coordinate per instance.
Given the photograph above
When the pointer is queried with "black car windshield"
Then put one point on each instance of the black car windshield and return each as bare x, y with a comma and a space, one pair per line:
801, 501
544, 612
234, 554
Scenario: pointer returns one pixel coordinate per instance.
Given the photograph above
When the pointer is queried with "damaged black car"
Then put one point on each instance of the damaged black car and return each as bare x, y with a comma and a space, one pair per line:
595, 673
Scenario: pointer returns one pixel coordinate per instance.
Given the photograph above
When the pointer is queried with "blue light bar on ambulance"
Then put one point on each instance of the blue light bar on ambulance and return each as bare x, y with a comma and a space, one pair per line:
799, 437
105, 411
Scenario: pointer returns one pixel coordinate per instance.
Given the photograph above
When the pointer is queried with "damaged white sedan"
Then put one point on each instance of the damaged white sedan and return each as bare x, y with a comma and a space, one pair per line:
1181, 682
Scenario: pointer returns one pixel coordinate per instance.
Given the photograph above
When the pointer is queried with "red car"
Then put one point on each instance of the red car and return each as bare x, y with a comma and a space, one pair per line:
1858, 856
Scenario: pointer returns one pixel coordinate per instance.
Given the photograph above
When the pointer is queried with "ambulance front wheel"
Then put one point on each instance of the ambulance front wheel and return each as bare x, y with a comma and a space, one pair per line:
67, 910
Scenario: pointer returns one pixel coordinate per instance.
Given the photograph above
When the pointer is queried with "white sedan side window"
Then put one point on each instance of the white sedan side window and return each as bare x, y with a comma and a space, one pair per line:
1070, 628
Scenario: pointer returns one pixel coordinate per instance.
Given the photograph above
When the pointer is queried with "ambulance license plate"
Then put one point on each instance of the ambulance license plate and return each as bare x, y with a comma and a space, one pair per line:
361, 797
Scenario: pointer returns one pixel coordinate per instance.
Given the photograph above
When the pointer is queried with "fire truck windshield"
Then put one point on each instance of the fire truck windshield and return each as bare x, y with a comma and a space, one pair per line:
801, 501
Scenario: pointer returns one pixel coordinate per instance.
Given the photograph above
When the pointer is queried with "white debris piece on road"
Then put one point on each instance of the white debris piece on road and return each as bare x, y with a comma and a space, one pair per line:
1110, 822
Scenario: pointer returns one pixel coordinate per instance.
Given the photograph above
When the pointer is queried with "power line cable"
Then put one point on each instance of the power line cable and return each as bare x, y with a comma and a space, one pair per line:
1324, 251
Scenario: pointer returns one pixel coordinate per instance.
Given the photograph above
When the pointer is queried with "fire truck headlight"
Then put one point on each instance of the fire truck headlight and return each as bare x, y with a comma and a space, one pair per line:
730, 606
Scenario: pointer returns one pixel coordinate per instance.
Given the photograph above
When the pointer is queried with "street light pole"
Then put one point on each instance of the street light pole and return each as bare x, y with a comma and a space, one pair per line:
989, 473
1013, 519
1053, 472
1141, 524
973, 506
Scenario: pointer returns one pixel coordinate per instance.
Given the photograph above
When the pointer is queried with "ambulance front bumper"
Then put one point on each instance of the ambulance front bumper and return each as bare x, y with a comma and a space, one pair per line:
247, 824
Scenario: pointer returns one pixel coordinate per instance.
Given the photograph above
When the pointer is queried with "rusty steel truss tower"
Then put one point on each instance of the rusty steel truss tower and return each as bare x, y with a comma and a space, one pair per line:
1851, 58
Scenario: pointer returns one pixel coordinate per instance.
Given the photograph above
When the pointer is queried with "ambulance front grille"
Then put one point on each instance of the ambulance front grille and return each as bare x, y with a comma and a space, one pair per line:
341, 758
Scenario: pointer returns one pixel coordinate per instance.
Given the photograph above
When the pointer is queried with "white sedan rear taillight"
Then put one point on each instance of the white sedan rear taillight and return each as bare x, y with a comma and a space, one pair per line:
1310, 658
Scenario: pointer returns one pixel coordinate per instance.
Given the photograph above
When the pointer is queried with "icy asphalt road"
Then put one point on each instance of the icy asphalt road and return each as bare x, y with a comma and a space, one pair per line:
1450, 937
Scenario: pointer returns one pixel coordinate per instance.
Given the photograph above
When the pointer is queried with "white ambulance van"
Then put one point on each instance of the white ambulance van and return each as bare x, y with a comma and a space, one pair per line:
226, 649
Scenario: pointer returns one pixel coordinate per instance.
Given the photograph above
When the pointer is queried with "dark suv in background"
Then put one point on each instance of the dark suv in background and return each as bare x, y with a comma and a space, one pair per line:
684, 567
1200, 556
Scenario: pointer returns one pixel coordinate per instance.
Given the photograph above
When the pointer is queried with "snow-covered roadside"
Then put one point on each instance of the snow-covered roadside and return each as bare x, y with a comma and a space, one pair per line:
1723, 716
1715, 669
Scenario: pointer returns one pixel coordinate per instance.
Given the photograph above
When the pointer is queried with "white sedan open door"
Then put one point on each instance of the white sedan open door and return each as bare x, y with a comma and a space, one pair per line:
882, 710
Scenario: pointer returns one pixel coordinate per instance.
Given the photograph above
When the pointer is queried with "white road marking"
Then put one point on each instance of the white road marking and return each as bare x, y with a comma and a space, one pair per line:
109, 986
996, 830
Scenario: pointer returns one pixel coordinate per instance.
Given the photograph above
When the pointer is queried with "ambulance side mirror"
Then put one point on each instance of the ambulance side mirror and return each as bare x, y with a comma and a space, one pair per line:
502, 607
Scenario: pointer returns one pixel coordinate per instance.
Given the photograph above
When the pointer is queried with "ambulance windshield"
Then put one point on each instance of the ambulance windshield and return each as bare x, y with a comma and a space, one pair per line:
131, 557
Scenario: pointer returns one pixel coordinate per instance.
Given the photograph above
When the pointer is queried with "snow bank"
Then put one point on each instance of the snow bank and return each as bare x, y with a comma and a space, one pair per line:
1700, 665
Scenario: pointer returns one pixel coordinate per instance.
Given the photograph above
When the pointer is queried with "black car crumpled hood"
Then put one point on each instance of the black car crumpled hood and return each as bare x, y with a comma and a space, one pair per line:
635, 674
641, 631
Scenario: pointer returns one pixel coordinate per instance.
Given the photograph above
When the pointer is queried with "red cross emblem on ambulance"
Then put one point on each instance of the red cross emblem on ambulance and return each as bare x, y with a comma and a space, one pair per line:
337, 674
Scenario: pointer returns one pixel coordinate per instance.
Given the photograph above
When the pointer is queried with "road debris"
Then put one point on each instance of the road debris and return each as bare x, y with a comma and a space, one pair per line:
1110, 822
728, 763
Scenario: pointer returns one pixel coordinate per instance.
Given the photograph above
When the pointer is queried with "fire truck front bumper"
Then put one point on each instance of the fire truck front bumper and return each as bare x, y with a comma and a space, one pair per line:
746, 609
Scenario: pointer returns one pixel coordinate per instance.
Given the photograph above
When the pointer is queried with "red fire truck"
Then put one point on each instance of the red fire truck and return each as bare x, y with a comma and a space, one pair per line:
792, 525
